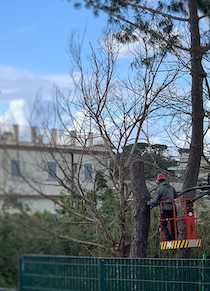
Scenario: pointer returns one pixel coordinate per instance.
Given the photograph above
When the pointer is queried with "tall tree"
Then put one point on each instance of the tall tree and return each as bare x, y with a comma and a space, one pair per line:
141, 211
118, 109
115, 108
181, 29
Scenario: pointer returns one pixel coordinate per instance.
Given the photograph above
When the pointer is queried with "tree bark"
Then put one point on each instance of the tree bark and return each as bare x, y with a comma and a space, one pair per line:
198, 74
141, 211
196, 145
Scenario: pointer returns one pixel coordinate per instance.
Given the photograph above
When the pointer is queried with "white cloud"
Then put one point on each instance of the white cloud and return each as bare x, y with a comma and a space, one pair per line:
15, 113
23, 84
18, 87
63, 80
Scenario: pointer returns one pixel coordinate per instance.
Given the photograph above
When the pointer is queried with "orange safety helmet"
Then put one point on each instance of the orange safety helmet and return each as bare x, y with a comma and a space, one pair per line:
161, 176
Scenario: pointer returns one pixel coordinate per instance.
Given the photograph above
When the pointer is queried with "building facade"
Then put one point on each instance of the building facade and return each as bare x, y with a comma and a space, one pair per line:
40, 165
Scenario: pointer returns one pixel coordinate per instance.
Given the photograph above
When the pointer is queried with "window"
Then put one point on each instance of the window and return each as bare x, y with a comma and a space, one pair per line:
51, 170
15, 168
88, 172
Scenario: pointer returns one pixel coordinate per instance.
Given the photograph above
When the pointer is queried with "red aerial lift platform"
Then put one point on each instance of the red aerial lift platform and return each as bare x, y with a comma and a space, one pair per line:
183, 218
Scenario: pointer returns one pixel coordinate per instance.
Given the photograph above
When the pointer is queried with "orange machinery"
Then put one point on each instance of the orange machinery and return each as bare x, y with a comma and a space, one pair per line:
183, 218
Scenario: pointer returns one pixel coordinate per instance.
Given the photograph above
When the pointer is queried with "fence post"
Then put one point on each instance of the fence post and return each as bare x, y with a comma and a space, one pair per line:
102, 282
203, 276
20, 275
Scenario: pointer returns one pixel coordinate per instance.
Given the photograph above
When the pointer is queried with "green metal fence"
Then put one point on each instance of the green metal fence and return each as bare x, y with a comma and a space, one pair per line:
59, 273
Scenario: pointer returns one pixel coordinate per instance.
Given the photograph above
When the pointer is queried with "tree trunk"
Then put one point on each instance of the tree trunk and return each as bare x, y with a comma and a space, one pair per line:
196, 146
197, 72
122, 249
141, 211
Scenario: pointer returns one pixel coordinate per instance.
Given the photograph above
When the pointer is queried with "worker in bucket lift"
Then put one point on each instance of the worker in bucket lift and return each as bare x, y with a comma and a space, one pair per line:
167, 193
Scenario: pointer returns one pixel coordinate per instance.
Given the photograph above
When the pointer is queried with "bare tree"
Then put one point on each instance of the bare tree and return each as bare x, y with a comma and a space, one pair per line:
114, 107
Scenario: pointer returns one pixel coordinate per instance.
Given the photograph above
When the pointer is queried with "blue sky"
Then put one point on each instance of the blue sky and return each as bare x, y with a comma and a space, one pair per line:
34, 48
34, 36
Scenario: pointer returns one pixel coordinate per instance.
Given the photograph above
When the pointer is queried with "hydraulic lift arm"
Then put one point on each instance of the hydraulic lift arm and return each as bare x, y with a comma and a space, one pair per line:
204, 188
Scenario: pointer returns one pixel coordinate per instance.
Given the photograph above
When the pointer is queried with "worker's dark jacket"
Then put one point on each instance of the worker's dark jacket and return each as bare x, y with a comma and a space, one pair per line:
165, 192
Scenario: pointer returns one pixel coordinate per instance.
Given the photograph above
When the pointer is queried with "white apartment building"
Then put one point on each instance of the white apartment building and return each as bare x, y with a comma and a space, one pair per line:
38, 166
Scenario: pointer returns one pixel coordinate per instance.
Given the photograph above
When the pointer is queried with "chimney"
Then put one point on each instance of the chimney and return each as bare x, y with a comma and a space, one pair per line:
53, 136
90, 139
16, 133
33, 134
72, 137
